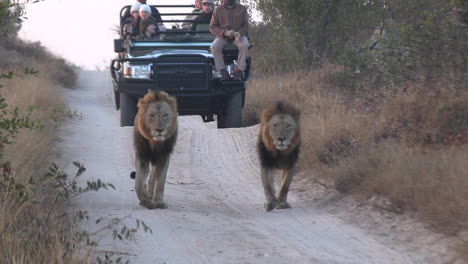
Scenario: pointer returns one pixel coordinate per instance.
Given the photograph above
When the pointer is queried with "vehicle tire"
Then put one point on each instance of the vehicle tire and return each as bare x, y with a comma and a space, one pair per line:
220, 120
128, 110
117, 100
233, 111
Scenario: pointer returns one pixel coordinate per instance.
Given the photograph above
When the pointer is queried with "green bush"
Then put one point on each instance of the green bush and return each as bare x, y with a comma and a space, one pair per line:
422, 40
12, 121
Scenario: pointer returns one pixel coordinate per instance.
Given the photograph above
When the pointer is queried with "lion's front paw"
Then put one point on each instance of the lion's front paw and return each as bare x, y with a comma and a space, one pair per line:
283, 205
151, 205
147, 204
161, 205
269, 206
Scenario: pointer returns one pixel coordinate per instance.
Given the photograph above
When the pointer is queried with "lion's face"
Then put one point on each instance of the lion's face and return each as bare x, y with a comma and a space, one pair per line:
159, 120
282, 129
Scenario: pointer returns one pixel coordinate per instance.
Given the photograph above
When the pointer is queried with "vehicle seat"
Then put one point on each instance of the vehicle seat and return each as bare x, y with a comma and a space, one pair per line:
203, 27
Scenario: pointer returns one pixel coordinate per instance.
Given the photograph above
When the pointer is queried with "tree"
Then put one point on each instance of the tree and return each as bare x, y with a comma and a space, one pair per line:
322, 31
11, 16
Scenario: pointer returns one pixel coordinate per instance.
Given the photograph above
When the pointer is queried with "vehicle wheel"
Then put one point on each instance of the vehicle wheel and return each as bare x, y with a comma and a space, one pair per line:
220, 120
233, 112
128, 110
117, 100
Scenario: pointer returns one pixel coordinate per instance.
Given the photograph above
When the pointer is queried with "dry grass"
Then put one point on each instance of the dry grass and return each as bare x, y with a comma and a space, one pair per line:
33, 231
427, 181
409, 147
33, 148
17, 54
325, 119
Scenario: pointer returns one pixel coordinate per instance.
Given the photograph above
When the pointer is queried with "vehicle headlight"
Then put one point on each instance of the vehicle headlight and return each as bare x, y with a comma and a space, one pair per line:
215, 74
140, 71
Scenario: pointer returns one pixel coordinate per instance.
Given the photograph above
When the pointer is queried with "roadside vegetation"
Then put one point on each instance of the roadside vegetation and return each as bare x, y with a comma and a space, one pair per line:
384, 98
31, 104
38, 221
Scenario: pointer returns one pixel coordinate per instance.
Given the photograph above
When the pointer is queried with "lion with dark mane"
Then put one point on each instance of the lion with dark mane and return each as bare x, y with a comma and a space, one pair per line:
278, 148
155, 135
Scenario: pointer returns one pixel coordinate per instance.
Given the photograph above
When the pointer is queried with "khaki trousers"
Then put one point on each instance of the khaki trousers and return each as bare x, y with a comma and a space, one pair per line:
217, 51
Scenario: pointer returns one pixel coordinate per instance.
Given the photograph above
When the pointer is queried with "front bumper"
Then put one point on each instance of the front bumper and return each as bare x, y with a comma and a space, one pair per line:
188, 103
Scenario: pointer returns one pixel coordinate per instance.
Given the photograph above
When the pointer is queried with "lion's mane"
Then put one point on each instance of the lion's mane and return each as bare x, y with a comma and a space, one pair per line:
270, 157
146, 148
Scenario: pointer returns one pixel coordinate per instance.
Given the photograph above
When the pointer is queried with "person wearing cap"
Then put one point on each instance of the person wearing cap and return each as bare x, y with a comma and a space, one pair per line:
206, 14
154, 11
229, 24
145, 12
132, 28
198, 6
198, 9
135, 9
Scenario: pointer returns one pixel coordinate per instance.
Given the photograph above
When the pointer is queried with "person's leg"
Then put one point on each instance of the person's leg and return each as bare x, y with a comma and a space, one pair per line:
217, 51
243, 46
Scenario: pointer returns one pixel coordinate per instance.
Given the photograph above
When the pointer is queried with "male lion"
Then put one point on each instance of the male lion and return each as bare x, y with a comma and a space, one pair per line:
278, 148
154, 136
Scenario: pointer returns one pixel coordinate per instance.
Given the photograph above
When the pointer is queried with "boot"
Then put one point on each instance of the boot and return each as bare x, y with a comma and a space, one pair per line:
238, 75
225, 75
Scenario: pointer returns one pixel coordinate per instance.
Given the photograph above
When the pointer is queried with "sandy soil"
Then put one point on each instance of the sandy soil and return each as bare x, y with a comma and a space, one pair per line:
215, 200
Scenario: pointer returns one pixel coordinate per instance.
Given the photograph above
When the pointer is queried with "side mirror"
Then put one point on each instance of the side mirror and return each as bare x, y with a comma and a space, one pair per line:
119, 45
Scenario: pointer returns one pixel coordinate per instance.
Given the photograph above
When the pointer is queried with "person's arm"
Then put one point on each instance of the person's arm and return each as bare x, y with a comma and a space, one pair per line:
245, 23
187, 25
215, 25
193, 25
155, 13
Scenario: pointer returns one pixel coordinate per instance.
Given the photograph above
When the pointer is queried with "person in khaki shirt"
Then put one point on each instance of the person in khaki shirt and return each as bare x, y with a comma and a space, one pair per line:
229, 24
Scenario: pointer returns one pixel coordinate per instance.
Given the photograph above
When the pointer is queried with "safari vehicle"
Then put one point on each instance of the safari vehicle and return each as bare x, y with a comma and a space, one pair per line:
180, 63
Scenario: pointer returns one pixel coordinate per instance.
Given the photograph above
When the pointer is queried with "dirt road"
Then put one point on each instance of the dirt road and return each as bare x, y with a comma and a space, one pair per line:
214, 195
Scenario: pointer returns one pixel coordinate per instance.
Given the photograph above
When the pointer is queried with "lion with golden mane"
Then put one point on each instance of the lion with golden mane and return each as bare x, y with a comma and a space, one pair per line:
278, 148
155, 135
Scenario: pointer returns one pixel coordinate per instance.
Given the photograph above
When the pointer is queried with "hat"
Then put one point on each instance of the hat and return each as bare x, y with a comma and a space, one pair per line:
146, 8
209, 1
145, 23
135, 7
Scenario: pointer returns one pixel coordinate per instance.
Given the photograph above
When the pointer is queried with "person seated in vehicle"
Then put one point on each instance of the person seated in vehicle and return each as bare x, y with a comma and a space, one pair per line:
229, 24
132, 27
198, 9
198, 6
154, 11
206, 14
145, 12
148, 28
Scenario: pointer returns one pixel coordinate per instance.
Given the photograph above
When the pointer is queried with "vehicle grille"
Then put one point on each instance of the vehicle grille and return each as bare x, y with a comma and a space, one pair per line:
189, 75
